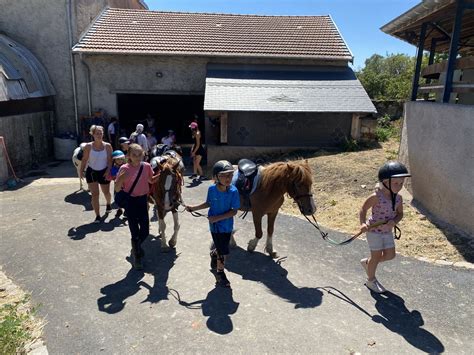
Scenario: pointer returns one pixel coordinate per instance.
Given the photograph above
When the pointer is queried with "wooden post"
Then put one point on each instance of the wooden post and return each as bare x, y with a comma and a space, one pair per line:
223, 120
419, 59
355, 127
453, 51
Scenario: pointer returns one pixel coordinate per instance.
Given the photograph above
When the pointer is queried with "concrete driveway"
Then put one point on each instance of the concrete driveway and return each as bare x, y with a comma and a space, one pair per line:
311, 300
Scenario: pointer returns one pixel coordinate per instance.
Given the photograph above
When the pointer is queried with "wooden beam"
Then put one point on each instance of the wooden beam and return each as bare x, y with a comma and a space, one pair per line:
355, 127
453, 51
419, 59
223, 120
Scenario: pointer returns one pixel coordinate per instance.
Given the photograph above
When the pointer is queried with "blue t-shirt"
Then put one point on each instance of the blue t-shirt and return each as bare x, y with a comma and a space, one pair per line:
220, 203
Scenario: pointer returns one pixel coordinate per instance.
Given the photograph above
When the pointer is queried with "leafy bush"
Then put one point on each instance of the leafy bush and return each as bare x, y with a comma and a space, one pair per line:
350, 145
385, 129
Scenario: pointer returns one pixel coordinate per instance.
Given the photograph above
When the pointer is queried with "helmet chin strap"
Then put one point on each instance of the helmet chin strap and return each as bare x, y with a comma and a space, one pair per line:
393, 195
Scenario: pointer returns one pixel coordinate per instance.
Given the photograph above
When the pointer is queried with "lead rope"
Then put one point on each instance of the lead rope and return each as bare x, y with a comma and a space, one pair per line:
397, 232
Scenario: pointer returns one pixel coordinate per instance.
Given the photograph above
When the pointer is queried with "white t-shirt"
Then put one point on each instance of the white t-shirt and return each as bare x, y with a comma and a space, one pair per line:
111, 128
141, 140
167, 140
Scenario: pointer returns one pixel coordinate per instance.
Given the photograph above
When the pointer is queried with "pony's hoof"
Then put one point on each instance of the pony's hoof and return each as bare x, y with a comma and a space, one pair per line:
172, 243
271, 253
251, 246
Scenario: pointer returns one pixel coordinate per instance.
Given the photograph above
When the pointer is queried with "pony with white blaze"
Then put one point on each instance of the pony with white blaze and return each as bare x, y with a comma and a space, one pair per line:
166, 194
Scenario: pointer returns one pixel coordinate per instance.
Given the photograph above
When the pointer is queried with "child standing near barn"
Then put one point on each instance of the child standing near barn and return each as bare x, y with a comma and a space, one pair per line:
118, 159
387, 211
223, 202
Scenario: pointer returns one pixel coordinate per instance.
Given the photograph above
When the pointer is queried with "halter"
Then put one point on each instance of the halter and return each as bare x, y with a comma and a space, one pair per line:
168, 190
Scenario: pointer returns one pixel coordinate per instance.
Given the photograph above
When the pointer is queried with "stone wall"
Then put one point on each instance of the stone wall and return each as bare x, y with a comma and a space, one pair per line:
438, 144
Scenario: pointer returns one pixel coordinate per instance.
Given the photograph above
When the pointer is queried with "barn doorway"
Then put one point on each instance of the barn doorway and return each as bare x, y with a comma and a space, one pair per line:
168, 111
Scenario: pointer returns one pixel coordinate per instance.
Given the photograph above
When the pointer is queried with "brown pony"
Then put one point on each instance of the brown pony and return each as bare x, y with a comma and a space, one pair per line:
166, 193
292, 178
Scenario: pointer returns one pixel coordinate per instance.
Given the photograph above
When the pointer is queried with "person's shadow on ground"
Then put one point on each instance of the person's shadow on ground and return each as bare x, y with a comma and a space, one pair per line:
395, 316
80, 232
115, 294
158, 263
218, 306
261, 268
193, 183
80, 197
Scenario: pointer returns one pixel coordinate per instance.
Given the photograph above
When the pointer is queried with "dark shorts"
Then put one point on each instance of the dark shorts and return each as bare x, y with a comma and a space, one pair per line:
221, 242
96, 176
200, 151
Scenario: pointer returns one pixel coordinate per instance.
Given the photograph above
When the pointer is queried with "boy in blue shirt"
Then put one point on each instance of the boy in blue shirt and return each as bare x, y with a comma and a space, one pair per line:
223, 202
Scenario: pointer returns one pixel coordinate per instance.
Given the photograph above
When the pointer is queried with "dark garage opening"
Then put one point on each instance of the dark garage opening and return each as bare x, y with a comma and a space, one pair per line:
169, 111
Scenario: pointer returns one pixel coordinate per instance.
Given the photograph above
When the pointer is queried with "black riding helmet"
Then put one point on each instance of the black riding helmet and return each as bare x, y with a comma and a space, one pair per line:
392, 169
222, 166
124, 140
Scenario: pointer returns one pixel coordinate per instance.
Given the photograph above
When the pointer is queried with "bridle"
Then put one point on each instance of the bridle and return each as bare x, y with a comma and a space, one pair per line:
297, 197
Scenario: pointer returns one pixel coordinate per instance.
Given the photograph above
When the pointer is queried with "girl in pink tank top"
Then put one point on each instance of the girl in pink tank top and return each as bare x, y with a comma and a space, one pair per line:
387, 211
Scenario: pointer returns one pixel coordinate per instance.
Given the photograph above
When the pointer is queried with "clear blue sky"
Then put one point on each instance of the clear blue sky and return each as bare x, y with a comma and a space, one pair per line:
358, 20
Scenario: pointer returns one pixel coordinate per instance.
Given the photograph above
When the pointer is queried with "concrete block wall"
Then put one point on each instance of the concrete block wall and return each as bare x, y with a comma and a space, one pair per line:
438, 145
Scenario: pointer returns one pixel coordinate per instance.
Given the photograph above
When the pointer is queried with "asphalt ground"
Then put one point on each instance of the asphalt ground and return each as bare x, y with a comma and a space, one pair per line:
310, 300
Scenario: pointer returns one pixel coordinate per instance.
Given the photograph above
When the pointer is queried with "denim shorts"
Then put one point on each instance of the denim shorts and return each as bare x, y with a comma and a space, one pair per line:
380, 241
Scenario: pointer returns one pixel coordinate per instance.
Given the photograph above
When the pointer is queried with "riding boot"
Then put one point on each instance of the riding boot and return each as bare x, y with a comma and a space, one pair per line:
221, 279
213, 263
136, 254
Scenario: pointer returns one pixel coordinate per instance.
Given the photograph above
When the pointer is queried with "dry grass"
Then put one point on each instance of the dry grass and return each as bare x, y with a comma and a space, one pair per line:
342, 182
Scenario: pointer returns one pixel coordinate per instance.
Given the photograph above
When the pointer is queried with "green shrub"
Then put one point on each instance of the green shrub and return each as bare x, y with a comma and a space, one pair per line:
382, 134
350, 145
385, 129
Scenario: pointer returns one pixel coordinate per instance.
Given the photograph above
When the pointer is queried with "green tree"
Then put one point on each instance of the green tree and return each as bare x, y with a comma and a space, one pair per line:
389, 77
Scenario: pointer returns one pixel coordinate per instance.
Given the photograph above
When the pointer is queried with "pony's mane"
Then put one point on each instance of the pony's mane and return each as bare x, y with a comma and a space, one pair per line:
281, 173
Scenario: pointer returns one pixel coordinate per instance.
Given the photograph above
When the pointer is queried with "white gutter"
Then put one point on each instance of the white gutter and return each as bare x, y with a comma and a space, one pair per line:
71, 59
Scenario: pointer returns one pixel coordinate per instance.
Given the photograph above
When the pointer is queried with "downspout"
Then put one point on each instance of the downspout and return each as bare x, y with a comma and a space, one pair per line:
88, 84
71, 59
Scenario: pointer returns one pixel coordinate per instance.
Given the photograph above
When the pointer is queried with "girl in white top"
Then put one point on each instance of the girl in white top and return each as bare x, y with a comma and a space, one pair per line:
98, 157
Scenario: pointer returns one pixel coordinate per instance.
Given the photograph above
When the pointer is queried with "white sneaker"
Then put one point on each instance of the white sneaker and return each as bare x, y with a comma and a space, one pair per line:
365, 265
375, 286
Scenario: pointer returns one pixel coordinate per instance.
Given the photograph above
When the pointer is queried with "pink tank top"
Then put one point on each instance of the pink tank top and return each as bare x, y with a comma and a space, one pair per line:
382, 211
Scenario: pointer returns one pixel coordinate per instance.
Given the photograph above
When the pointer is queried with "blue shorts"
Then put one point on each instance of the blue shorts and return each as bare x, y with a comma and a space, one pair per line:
380, 241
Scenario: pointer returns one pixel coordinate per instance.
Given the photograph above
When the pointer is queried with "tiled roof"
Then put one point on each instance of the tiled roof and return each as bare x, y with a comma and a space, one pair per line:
304, 90
169, 33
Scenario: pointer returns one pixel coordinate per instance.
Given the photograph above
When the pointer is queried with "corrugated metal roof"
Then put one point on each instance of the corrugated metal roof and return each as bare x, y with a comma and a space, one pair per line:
177, 33
299, 89
22, 76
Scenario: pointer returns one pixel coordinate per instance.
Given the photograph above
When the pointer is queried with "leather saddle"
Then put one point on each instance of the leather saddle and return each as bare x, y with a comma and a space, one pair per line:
246, 180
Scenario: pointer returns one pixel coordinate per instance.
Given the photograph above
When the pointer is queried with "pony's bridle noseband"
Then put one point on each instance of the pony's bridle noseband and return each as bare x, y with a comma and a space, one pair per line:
297, 197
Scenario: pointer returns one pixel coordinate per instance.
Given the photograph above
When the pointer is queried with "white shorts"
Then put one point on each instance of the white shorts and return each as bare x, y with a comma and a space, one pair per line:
380, 241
